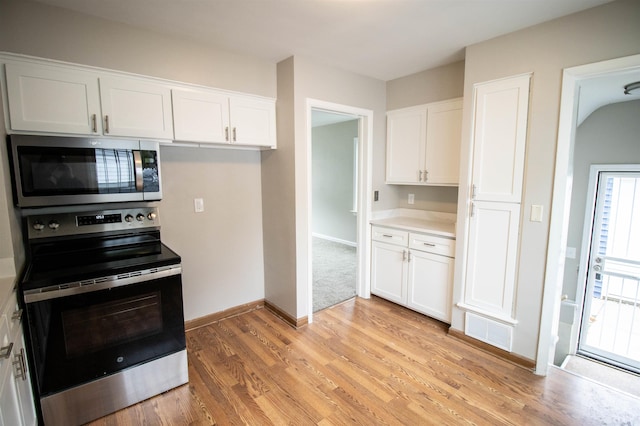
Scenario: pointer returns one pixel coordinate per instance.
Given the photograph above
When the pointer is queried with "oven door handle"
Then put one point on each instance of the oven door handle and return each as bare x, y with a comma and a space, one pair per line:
102, 283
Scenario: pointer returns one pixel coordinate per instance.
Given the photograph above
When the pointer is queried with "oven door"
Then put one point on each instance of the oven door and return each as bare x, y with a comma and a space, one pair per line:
78, 338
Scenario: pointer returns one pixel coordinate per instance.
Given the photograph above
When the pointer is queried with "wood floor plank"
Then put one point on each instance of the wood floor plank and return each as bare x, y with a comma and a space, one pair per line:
365, 362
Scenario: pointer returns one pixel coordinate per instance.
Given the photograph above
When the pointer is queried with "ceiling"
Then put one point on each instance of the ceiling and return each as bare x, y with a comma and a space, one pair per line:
383, 39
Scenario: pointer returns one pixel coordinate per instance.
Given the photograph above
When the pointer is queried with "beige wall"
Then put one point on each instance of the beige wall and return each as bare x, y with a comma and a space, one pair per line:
222, 247
437, 84
49, 32
300, 79
601, 33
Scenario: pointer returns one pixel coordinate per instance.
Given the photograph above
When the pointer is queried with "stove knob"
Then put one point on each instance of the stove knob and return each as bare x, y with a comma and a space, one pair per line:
140, 217
54, 225
38, 226
152, 216
128, 218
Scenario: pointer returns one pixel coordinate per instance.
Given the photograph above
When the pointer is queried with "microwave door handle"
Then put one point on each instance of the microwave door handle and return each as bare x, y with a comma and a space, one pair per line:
137, 162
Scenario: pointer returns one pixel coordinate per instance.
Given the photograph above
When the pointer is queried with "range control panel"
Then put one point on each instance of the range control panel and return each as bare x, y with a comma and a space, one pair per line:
62, 224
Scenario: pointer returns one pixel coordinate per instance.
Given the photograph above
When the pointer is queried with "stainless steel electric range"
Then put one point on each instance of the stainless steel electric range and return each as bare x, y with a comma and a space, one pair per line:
104, 314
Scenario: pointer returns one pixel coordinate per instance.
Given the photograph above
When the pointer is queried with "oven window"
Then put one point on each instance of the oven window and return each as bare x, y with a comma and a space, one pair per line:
119, 321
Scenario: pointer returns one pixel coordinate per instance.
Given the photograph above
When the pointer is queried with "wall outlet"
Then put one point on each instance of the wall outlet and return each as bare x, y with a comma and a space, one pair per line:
198, 205
375, 195
411, 199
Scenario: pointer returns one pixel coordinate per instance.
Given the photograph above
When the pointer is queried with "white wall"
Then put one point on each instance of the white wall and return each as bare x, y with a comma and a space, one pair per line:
222, 247
594, 35
332, 181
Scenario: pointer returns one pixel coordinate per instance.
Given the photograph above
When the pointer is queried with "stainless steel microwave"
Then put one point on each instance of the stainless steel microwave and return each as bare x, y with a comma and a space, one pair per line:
55, 171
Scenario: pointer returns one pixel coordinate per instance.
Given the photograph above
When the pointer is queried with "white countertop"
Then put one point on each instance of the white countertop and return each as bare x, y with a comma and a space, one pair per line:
437, 223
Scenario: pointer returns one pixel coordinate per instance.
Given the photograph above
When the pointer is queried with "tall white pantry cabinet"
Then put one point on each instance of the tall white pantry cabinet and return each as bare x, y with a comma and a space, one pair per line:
499, 138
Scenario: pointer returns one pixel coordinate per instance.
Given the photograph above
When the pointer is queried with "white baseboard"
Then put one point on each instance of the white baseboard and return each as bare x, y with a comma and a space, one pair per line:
335, 240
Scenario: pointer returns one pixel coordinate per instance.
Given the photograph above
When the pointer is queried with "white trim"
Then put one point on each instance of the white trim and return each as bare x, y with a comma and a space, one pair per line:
365, 161
335, 240
561, 202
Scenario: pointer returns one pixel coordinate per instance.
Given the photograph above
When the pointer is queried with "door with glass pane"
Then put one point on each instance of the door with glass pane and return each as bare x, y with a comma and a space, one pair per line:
610, 328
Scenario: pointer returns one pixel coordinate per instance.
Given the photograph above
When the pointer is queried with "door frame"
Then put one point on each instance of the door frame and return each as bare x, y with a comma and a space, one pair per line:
561, 200
365, 179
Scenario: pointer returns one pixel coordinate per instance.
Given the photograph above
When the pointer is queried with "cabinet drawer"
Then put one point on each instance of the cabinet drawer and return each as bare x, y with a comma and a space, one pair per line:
389, 235
433, 244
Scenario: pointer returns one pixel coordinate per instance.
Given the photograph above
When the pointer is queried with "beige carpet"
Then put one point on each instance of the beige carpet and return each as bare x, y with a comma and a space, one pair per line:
334, 273
602, 373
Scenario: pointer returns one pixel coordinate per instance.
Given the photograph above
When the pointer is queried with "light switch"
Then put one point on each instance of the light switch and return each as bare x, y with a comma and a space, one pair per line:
536, 213
198, 205
570, 253
411, 199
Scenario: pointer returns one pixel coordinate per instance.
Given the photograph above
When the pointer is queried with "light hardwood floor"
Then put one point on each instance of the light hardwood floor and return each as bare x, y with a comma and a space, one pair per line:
365, 362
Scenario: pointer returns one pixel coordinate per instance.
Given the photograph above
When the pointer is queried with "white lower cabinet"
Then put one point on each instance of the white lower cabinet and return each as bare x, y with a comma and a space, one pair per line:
16, 398
389, 271
414, 270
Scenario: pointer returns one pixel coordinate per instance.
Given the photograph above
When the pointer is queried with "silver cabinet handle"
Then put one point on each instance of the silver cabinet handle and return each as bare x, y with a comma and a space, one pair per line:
420, 176
387, 236
409, 256
226, 133
17, 315
235, 138
429, 244
473, 209
426, 175
94, 123
473, 191
5, 351
106, 124
20, 365
404, 255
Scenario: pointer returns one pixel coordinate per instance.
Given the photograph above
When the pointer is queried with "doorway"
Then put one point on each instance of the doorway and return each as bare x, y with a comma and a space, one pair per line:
573, 106
334, 183
610, 325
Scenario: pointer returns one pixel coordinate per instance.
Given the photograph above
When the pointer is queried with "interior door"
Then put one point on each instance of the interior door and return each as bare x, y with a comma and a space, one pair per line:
610, 329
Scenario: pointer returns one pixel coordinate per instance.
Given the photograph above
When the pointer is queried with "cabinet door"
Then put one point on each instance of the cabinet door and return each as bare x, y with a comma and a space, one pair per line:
500, 132
49, 99
22, 382
430, 282
444, 132
406, 136
253, 122
492, 256
136, 108
200, 116
388, 272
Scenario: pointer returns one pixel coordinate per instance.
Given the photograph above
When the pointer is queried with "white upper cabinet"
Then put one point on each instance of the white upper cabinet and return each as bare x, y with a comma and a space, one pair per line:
406, 137
200, 116
54, 99
423, 144
210, 117
132, 107
253, 121
444, 133
51, 99
500, 134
